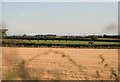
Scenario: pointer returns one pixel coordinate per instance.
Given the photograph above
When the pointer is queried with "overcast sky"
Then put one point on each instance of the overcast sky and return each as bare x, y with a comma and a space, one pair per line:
61, 18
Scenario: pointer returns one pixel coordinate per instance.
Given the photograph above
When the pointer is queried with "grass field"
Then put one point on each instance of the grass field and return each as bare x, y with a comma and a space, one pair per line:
59, 63
55, 41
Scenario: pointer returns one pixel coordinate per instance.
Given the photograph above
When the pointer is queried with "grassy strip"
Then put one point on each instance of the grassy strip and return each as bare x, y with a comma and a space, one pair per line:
62, 45
57, 42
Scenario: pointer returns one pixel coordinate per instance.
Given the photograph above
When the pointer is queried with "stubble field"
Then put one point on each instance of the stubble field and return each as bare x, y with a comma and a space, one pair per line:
59, 63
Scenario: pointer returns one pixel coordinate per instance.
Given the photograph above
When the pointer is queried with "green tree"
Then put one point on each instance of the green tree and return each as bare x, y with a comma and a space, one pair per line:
93, 37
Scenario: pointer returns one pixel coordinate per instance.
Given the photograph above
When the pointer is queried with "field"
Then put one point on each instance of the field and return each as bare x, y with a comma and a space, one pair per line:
68, 43
60, 63
57, 42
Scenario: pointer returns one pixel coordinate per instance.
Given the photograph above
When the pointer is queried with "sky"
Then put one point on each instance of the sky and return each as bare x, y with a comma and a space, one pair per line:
61, 18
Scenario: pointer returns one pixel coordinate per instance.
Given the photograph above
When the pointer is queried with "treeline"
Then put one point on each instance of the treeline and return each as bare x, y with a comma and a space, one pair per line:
72, 37
114, 38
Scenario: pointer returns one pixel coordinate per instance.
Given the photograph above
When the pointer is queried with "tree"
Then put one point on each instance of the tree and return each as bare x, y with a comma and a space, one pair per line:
94, 37
24, 35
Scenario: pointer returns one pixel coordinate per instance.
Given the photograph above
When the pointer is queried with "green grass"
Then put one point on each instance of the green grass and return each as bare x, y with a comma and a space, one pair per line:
55, 42
108, 39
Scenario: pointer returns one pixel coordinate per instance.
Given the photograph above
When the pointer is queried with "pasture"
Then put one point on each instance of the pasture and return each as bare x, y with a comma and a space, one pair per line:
56, 41
62, 43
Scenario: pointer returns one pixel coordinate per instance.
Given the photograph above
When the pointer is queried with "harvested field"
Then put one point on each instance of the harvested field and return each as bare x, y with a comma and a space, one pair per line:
59, 63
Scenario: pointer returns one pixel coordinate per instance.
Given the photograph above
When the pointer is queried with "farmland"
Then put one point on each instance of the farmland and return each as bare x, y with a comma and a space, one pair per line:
59, 40
59, 63
74, 42
63, 58
56, 42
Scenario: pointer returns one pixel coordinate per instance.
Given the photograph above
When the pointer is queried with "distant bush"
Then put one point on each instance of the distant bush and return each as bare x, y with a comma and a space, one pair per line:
93, 37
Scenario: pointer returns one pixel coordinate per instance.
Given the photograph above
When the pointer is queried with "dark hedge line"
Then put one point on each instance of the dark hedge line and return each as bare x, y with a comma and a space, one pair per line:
117, 46
66, 39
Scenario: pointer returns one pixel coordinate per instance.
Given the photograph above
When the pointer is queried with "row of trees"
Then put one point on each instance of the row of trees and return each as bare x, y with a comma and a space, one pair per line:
51, 36
65, 36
